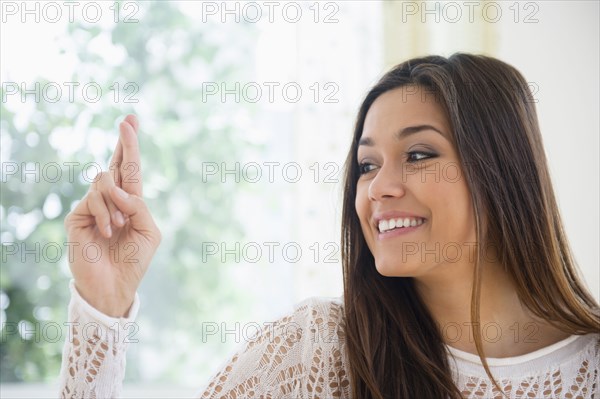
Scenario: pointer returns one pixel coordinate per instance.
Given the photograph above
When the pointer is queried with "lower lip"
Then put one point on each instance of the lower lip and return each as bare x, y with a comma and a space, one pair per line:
398, 232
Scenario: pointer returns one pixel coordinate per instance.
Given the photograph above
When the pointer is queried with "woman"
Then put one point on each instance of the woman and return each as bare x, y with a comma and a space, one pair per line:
458, 277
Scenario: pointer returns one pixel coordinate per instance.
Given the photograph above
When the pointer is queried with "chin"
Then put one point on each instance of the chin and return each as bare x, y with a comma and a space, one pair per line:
394, 269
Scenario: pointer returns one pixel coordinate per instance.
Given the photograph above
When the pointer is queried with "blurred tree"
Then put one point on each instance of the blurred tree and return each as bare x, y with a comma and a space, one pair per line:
159, 65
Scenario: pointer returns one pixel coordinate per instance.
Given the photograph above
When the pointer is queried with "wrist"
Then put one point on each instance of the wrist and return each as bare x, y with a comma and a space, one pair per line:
115, 306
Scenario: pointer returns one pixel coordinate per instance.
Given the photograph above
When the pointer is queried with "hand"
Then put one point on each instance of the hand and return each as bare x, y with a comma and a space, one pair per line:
111, 231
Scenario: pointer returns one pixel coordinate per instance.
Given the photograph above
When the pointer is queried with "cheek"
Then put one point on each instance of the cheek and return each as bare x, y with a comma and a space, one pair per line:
363, 209
361, 202
452, 210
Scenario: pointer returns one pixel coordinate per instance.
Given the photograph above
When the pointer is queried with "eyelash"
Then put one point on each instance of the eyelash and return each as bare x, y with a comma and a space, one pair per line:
429, 154
363, 165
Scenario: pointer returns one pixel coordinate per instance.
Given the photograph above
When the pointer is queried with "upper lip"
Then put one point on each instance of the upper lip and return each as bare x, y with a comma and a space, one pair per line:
377, 217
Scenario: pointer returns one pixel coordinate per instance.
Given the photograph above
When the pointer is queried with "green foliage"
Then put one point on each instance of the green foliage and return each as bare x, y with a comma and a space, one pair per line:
168, 55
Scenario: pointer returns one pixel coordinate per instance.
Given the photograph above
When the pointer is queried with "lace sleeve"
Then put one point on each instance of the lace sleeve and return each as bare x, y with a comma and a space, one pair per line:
93, 360
299, 355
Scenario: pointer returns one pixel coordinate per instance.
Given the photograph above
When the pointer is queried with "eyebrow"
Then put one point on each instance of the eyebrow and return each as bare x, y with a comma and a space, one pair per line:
405, 132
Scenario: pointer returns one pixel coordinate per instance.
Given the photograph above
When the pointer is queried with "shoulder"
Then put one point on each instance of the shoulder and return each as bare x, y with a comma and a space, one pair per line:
314, 320
296, 355
586, 347
593, 347
318, 310
324, 319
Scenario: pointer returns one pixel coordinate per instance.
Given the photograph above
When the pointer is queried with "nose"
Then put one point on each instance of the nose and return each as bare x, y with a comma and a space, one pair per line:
387, 183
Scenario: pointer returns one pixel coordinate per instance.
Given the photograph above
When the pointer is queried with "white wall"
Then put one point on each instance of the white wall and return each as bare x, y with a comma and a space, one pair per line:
560, 54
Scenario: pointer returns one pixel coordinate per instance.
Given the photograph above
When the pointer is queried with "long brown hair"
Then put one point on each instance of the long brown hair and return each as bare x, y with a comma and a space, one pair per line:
394, 345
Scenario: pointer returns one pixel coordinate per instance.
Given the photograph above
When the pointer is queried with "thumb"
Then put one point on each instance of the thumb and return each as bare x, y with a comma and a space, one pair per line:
134, 206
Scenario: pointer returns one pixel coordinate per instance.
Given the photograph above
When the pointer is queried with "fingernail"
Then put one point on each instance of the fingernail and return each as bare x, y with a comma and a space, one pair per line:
122, 193
108, 231
119, 217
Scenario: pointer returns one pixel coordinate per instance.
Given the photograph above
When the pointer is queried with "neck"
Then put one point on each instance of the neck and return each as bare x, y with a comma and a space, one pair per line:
448, 293
504, 320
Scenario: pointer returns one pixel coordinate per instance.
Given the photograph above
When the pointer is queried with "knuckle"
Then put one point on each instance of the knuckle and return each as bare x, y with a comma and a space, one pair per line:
109, 202
97, 205
93, 196
101, 179
67, 221
139, 202
103, 219
105, 179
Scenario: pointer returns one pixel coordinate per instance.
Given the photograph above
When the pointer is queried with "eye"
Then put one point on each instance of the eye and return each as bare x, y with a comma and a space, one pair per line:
415, 156
365, 167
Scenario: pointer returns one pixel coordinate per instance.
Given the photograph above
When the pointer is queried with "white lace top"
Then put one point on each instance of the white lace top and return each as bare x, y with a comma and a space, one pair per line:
302, 355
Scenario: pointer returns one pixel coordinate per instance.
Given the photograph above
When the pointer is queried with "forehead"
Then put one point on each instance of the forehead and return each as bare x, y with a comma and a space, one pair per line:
403, 107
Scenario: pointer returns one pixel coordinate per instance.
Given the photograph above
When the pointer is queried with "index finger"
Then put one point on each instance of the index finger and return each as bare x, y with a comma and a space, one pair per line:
131, 171
117, 157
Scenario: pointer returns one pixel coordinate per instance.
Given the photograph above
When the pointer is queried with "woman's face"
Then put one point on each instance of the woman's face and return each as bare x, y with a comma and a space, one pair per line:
411, 176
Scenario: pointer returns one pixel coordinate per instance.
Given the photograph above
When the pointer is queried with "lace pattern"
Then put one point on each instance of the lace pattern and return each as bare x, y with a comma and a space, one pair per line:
302, 355
551, 385
93, 360
571, 371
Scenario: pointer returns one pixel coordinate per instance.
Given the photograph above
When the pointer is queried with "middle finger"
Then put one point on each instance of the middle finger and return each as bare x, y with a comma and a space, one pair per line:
103, 184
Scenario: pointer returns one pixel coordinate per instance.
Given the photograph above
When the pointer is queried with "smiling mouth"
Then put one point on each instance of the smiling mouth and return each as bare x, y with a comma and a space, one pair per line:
388, 225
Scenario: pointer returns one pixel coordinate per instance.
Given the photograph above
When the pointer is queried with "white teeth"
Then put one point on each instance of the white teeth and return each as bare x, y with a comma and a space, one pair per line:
385, 225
